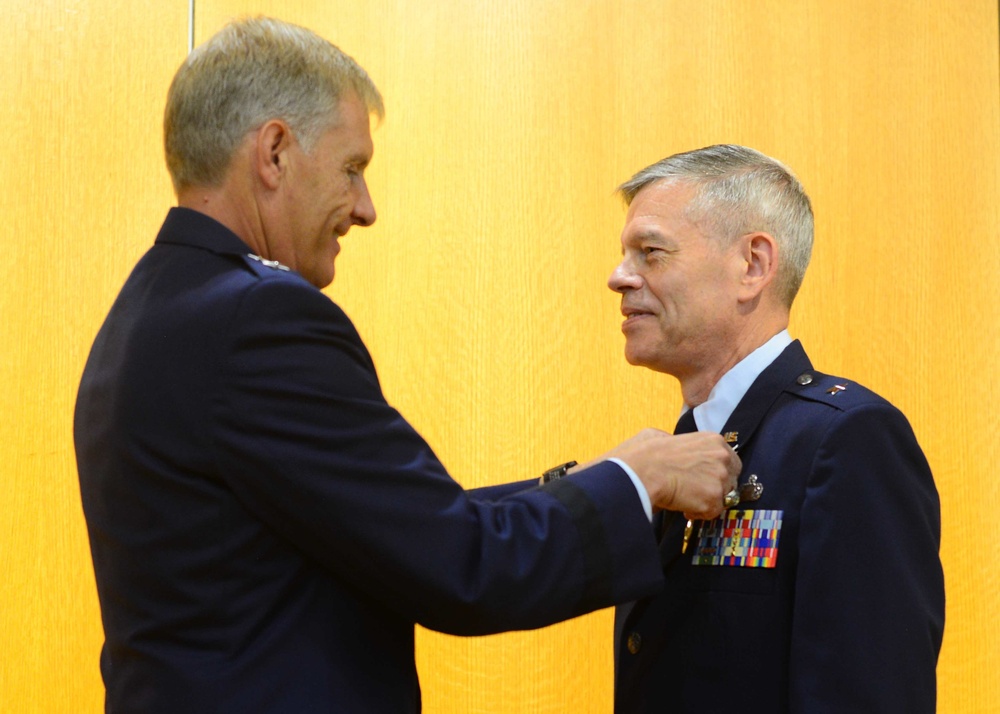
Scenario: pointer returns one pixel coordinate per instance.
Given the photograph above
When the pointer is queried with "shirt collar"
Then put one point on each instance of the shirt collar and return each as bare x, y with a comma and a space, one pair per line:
722, 401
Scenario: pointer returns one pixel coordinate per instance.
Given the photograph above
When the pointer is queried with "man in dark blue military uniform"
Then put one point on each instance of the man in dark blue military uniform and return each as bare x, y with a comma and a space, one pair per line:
265, 528
820, 588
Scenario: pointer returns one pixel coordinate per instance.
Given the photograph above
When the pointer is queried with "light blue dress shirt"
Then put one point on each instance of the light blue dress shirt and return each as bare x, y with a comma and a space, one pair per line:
722, 401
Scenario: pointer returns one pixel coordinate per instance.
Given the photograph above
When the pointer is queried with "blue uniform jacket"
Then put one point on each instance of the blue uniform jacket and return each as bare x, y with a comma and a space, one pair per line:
851, 617
266, 529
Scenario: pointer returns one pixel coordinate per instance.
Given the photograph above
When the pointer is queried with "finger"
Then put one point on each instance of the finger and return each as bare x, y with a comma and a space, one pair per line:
735, 465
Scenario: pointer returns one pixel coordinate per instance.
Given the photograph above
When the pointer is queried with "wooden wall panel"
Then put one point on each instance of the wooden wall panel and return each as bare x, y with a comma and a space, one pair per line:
83, 189
480, 290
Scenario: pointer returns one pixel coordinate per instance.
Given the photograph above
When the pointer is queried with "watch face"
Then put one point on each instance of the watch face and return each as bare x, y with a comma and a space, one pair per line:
557, 472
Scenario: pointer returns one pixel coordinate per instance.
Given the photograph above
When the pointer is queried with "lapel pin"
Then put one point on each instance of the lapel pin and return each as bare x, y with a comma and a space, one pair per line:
752, 489
731, 437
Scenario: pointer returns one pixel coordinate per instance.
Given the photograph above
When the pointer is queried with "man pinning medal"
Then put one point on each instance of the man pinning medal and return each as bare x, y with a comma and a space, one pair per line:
266, 529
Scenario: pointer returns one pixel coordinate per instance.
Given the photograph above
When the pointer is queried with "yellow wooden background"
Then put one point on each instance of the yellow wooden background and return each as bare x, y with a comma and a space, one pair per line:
480, 290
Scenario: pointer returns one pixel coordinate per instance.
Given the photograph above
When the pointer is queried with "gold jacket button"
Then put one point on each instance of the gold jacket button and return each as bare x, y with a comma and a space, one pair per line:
634, 643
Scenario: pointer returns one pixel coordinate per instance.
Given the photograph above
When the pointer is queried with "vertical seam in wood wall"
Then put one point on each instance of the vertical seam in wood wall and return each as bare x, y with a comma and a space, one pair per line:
190, 25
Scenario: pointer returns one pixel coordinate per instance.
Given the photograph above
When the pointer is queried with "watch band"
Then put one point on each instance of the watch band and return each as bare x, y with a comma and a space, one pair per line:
557, 472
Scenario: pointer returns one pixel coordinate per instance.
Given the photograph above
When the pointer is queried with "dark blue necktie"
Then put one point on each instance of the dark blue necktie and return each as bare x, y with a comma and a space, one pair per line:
686, 424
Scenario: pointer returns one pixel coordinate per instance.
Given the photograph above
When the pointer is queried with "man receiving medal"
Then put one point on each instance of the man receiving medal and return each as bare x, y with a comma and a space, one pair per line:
820, 588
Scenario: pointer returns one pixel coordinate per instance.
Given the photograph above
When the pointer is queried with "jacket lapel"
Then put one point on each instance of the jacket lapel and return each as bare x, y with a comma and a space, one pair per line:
743, 422
764, 392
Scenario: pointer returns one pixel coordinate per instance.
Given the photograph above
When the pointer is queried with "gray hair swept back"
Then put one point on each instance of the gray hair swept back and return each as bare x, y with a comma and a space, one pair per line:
738, 191
252, 71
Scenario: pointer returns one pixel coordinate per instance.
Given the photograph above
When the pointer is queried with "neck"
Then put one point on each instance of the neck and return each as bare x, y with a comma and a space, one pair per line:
697, 385
225, 206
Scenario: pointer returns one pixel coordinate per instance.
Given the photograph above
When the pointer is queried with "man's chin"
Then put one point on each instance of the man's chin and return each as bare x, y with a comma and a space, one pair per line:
644, 359
637, 358
320, 278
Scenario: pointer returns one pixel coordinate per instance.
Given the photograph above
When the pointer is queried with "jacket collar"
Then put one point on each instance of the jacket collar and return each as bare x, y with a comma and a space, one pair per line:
184, 226
759, 399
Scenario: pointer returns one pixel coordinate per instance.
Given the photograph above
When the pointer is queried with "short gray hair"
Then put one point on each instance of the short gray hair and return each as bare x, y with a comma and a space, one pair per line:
252, 71
738, 191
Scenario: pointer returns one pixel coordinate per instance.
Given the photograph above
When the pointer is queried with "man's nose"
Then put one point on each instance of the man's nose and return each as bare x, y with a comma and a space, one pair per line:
622, 279
364, 208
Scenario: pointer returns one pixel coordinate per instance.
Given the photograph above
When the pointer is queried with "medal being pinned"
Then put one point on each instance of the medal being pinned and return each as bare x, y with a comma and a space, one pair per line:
751, 490
747, 492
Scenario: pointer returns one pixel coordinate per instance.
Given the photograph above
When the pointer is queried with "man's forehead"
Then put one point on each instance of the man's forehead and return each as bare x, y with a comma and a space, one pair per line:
664, 197
655, 206
351, 129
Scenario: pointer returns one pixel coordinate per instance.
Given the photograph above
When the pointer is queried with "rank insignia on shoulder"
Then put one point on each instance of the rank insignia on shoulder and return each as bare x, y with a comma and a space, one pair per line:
837, 389
741, 538
269, 263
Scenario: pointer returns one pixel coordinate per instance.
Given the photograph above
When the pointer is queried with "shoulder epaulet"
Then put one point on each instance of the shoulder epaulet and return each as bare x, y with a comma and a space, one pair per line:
262, 266
835, 391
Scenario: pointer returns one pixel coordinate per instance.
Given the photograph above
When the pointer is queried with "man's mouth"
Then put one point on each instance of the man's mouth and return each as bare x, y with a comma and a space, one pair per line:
633, 314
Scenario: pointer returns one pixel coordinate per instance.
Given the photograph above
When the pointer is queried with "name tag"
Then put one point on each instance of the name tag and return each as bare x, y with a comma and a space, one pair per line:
743, 538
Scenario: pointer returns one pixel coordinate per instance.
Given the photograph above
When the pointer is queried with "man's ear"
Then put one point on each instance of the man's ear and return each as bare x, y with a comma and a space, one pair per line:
759, 252
271, 144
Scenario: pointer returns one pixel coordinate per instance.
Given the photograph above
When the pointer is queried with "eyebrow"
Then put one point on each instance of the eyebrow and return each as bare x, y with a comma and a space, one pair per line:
645, 235
648, 234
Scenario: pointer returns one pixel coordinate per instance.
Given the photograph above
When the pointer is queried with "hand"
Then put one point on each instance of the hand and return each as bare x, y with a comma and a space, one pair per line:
690, 473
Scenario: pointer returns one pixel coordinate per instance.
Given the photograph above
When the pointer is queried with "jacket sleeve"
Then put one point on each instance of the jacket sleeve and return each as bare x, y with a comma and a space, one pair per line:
309, 444
869, 595
502, 490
